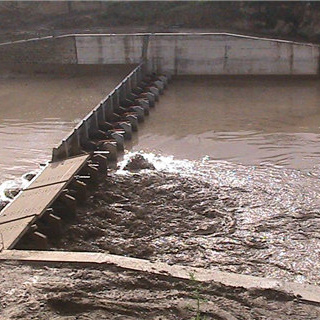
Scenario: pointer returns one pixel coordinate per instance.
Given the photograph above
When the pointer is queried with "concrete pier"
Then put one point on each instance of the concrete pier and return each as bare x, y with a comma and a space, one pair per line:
307, 293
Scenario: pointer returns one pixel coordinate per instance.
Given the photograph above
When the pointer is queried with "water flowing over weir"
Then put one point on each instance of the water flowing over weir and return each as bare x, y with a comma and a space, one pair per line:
237, 204
39, 109
85, 151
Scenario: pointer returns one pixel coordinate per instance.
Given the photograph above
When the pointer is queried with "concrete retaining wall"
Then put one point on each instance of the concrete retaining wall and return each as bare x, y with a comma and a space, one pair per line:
109, 49
200, 54
177, 54
227, 54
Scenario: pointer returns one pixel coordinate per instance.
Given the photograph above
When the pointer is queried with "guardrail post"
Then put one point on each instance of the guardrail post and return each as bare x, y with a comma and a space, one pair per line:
109, 108
96, 118
134, 80
102, 108
65, 148
117, 100
86, 127
78, 140
124, 90
130, 84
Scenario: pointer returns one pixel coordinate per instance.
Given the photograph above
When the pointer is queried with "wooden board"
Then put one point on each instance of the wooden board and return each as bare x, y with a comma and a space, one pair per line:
57, 172
12, 231
31, 203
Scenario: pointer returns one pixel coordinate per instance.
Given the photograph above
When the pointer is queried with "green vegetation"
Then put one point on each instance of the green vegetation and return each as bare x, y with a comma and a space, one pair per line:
198, 297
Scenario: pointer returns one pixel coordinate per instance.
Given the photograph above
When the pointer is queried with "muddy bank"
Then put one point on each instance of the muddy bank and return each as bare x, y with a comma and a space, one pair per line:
74, 292
292, 20
194, 219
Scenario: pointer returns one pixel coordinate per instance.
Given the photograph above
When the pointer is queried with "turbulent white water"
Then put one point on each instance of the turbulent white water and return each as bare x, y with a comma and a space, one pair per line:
256, 220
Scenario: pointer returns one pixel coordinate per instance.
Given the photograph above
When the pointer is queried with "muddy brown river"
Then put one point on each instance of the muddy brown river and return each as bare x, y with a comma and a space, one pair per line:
234, 185
231, 182
245, 197
246, 121
38, 110
237, 173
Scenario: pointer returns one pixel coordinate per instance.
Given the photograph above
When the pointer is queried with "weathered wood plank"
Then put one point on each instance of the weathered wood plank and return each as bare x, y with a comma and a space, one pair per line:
57, 172
31, 203
12, 231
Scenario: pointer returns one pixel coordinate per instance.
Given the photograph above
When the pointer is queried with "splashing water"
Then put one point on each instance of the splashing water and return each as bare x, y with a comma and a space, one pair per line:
18, 184
258, 220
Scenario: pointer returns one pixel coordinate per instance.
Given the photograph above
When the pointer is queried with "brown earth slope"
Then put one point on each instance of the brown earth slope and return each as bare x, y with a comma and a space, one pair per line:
292, 20
77, 292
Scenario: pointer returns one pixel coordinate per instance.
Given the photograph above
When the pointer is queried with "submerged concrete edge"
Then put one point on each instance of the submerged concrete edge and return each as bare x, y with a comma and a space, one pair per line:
306, 292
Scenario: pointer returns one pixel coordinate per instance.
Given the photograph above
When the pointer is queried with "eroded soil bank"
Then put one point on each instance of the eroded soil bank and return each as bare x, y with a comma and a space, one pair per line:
78, 292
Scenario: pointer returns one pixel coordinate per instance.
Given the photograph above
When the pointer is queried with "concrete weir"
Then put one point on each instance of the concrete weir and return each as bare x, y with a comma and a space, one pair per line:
84, 155
77, 162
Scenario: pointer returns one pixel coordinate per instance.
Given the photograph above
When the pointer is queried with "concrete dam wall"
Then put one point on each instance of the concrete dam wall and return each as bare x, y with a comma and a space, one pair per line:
177, 54
202, 54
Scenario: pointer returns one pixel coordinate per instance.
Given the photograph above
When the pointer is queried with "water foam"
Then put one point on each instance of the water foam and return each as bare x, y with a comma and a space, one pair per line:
160, 162
17, 183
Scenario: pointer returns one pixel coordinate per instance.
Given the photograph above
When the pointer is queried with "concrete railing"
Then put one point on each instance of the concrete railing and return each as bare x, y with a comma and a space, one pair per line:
72, 144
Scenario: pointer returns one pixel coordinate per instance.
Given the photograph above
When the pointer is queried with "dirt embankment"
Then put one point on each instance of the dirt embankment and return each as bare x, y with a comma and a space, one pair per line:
78, 292
291, 20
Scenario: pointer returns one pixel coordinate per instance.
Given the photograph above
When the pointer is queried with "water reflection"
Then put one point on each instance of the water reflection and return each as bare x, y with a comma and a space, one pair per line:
248, 121
38, 110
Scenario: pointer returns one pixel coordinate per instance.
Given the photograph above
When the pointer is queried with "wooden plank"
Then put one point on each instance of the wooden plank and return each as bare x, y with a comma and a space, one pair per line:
31, 203
303, 291
57, 172
12, 231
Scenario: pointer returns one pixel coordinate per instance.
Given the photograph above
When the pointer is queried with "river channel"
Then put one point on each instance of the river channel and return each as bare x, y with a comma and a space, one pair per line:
236, 180
247, 121
38, 109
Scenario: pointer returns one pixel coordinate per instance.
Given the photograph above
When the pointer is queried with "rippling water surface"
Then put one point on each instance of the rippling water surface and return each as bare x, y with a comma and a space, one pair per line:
38, 110
241, 194
246, 121
255, 142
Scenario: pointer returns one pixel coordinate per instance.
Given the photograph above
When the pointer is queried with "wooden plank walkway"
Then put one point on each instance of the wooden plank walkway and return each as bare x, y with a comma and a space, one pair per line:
302, 291
12, 231
57, 172
31, 203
